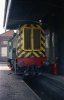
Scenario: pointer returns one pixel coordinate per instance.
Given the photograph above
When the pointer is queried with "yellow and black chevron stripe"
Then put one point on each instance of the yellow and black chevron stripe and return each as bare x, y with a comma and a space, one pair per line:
25, 54
19, 43
43, 43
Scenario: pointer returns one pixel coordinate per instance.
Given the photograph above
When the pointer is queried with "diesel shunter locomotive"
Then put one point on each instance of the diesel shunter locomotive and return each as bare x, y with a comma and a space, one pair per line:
27, 50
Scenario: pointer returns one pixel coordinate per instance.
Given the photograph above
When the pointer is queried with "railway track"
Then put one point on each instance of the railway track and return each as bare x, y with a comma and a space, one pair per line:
37, 88
46, 88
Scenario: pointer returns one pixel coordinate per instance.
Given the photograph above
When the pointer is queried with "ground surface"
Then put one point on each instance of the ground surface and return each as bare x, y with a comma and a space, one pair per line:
12, 87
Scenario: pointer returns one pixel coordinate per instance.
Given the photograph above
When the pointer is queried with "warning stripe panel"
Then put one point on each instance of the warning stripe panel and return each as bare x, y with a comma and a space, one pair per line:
43, 41
43, 53
19, 51
42, 44
30, 54
41, 29
23, 27
43, 37
36, 55
21, 54
26, 54
43, 34
20, 39
19, 46
43, 49
40, 54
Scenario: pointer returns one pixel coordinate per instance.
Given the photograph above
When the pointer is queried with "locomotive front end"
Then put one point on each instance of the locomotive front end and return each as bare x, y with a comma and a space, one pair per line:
31, 49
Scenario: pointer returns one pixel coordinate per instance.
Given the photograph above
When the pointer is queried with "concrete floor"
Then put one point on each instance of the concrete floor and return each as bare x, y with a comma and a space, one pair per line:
12, 87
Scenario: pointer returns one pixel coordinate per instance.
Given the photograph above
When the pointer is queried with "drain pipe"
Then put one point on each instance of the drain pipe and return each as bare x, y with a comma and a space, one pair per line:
55, 64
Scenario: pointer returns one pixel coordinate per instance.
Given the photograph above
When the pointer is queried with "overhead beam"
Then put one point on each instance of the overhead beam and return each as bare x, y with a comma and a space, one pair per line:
7, 13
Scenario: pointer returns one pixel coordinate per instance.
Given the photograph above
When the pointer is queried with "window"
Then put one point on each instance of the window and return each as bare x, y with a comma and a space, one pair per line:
5, 42
4, 51
27, 38
36, 39
31, 39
